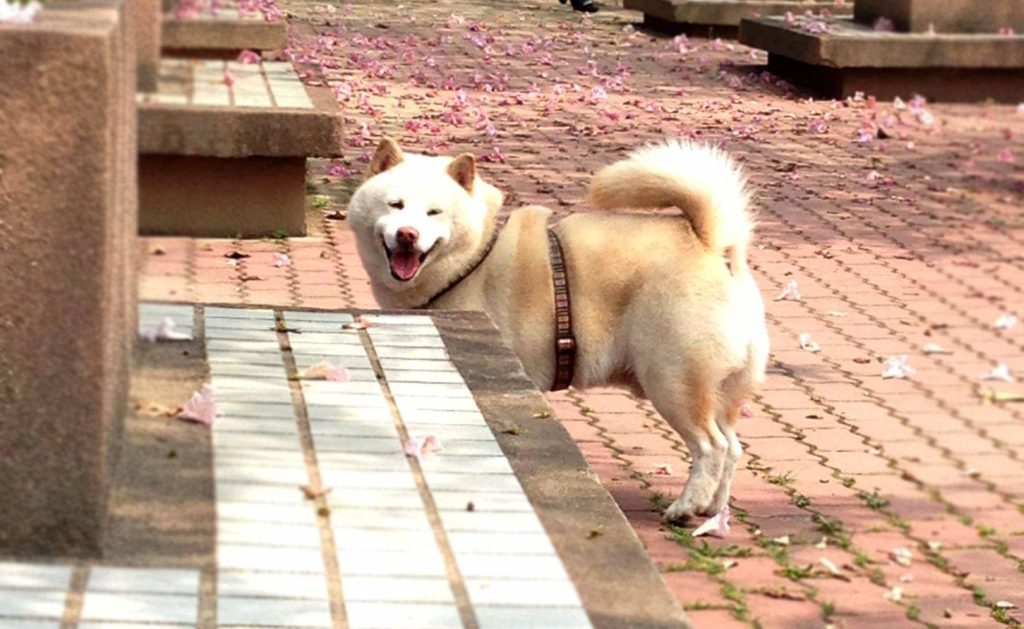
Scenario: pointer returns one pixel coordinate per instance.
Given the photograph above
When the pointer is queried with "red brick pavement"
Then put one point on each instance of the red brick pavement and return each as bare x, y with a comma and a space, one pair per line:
895, 243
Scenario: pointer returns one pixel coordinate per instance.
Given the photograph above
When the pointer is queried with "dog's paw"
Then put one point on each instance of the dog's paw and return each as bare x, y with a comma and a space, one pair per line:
683, 510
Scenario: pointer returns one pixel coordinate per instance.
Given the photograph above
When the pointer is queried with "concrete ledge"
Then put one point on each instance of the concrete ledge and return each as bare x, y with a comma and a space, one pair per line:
225, 36
223, 198
718, 17
267, 112
853, 57
946, 16
849, 44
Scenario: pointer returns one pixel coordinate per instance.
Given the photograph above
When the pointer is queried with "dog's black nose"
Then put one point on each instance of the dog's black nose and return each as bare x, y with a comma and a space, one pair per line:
407, 236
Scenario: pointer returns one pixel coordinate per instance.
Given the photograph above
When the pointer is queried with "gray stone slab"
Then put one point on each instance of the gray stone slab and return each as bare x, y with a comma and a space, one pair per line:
136, 607
270, 585
32, 603
849, 44
944, 16
499, 617
144, 580
724, 12
15, 575
273, 612
376, 615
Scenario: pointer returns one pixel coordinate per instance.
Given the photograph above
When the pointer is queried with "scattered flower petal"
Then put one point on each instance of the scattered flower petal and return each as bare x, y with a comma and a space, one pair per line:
895, 595
715, 526
1000, 372
418, 445
790, 292
935, 348
249, 57
1006, 322
897, 367
164, 331
902, 556
201, 408
281, 259
808, 344
663, 469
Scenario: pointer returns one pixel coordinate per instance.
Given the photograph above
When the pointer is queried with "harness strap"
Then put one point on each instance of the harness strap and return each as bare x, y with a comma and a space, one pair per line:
461, 276
565, 340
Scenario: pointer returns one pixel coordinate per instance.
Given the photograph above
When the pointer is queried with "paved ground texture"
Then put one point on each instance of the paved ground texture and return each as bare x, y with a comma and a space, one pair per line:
862, 501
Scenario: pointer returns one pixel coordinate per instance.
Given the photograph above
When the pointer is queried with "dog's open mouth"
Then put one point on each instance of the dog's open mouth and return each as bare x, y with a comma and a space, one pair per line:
405, 263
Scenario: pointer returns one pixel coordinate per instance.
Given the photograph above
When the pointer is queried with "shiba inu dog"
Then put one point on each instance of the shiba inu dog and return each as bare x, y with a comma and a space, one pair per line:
663, 305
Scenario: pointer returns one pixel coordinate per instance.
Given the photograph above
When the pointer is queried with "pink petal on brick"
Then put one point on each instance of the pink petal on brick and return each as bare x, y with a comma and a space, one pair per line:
715, 526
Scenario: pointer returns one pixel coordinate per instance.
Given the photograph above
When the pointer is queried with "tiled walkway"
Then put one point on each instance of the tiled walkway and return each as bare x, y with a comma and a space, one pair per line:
434, 541
863, 501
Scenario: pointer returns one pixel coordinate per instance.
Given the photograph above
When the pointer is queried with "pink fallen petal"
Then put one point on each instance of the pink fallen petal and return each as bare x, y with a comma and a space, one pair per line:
324, 370
885, 25
249, 57
790, 292
746, 411
663, 469
1005, 322
715, 526
201, 408
1006, 156
897, 367
281, 259
418, 445
164, 331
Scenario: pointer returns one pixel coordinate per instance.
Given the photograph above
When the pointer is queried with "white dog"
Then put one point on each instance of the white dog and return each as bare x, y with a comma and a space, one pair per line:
663, 305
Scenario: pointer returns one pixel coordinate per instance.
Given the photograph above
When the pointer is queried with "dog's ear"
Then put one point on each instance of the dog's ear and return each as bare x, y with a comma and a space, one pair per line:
463, 171
388, 155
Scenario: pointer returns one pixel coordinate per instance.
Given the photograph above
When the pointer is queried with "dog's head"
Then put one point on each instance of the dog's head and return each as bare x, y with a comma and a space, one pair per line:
415, 211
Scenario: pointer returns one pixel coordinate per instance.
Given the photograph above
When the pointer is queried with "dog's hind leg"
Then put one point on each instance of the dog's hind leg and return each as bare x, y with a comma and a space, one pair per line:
691, 409
732, 400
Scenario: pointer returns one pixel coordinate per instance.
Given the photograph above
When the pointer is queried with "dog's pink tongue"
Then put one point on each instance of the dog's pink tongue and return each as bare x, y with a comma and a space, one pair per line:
404, 264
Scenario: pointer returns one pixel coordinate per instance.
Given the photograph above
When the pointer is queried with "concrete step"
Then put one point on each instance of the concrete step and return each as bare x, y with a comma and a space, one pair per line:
221, 33
224, 145
719, 18
841, 56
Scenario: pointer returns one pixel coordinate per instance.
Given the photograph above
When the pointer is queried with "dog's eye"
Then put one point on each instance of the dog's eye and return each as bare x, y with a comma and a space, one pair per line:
397, 204
433, 212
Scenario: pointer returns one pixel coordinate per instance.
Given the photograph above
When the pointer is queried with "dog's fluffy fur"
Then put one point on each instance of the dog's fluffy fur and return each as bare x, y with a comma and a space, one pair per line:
662, 305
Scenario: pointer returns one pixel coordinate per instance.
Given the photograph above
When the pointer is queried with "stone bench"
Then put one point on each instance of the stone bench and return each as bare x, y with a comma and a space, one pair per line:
946, 51
67, 258
221, 33
507, 526
718, 18
224, 160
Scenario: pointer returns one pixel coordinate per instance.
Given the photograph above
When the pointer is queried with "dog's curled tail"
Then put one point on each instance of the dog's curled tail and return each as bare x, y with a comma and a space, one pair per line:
700, 180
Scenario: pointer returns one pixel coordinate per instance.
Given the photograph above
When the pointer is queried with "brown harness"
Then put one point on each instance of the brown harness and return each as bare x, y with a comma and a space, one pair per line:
565, 340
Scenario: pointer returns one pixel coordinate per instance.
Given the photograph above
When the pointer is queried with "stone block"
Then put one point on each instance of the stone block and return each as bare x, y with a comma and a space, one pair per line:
221, 37
224, 197
68, 204
718, 18
223, 160
853, 57
946, 16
